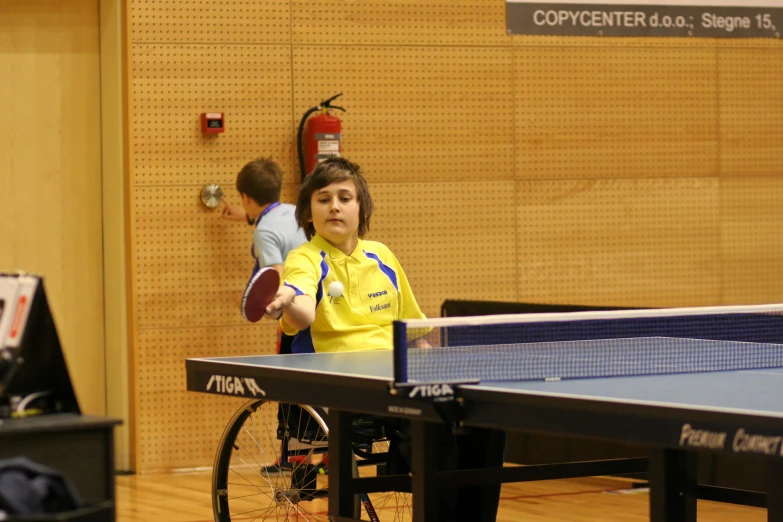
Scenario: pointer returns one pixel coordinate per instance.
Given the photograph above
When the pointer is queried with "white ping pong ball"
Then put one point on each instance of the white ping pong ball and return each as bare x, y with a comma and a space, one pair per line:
335, 289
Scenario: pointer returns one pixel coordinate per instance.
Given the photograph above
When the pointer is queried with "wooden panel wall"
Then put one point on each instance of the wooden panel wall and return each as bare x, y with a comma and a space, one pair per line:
601, 171
50, 172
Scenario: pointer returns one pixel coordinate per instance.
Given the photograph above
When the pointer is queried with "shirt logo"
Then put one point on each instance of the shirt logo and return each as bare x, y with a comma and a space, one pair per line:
379, 307
377, 294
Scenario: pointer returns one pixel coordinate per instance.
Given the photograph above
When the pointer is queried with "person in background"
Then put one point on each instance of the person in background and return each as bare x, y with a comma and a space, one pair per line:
275, 234
275, 231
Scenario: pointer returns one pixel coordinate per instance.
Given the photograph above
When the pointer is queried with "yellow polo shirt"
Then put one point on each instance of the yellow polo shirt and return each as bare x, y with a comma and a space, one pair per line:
376, 292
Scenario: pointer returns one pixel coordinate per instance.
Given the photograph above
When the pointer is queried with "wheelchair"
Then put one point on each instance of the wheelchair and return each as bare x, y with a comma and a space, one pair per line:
272, 464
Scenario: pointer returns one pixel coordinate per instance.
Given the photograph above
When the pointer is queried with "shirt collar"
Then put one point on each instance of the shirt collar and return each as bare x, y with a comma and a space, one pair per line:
334, 252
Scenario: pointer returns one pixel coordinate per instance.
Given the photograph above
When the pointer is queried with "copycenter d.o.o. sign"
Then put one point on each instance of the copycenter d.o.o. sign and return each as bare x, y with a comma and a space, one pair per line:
695, 18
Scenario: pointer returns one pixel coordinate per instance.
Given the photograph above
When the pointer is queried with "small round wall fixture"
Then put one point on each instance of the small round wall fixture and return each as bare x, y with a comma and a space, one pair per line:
210, 195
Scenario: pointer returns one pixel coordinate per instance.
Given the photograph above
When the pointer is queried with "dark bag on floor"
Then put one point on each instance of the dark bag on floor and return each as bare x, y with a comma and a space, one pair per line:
29, 488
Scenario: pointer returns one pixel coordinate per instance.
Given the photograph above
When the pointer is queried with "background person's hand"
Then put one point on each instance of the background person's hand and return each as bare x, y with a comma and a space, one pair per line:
232, 212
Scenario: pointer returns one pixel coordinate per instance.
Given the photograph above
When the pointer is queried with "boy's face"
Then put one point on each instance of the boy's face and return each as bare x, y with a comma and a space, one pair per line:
335, 212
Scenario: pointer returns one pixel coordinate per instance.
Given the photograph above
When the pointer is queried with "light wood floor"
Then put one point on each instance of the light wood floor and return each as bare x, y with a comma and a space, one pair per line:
185, 497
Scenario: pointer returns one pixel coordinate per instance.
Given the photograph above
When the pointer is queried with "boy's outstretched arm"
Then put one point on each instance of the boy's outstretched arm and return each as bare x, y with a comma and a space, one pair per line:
232, 212
296, 310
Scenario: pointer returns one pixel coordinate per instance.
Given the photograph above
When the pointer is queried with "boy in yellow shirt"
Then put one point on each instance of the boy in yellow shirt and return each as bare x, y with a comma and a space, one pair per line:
334, 210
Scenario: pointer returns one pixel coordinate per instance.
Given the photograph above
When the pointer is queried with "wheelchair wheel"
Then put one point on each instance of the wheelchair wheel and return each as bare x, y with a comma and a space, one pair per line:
389, 506
269, 465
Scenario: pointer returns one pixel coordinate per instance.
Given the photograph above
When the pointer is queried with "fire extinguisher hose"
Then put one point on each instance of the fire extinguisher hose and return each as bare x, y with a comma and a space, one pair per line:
302, 173
325, 104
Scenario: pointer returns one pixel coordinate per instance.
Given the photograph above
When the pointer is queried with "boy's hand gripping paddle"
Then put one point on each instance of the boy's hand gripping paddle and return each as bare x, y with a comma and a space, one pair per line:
259, 292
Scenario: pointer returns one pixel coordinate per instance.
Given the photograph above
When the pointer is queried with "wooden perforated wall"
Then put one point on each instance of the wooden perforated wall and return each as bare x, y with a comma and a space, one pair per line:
50, 173
600, 171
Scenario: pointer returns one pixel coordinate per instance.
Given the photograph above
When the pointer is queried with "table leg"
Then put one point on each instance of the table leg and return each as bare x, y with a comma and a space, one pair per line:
424, 482
673, 484
341, 496
775, 491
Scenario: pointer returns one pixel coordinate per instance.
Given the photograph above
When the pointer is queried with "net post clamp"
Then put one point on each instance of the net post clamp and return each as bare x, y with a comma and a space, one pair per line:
443, 396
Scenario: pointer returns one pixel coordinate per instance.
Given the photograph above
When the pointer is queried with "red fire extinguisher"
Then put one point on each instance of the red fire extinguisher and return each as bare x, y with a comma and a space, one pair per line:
321, 137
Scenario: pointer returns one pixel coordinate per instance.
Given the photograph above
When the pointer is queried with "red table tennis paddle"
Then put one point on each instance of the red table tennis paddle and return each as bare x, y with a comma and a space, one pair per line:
259, 292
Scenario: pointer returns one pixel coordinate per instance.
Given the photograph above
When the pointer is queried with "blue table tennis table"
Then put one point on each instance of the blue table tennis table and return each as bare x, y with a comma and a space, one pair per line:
676, 416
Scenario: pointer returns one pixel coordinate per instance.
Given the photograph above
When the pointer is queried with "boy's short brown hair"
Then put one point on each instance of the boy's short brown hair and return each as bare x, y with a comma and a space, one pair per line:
333, 170
261, 180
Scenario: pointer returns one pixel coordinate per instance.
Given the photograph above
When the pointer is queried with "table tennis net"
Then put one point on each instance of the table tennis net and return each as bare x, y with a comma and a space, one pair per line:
576, 345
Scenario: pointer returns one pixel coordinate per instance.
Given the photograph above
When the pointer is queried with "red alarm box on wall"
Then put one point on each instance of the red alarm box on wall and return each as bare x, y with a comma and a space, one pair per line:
212, 122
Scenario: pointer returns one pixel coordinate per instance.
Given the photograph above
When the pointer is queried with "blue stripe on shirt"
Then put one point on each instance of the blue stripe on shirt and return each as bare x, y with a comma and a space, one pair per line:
319, 293
389, 271
298, 292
